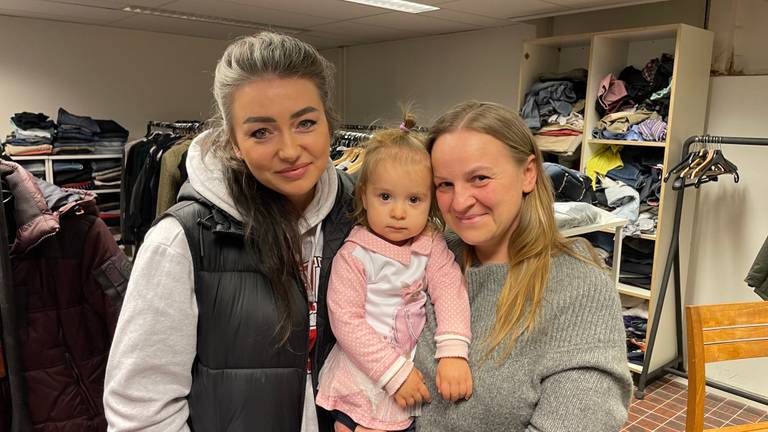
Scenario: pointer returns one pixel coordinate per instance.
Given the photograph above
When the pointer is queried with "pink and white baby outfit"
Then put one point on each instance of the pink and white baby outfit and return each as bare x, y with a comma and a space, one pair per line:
376, 298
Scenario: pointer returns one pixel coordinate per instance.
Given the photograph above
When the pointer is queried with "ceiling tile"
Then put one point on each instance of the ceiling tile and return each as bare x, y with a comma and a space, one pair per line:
468, 18
337, 40
406, 21
503, 8
600, 3
320, 42
365, 32
182, 27
112, 4
336, 10
58, 11
227, 9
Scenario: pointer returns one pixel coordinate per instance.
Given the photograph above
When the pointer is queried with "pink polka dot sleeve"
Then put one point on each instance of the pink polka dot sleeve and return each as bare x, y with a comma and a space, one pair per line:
347, 291
448, 292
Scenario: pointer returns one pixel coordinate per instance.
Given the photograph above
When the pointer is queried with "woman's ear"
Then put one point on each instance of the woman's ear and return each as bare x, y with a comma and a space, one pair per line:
530, 174
236, 149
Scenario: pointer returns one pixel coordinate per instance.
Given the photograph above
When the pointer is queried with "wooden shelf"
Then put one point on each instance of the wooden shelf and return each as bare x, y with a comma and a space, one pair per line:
609, 226
627, 143
633, 291
642, 236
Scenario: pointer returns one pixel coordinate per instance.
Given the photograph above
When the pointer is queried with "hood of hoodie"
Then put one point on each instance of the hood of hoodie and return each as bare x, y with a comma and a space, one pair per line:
206, 176
38, 205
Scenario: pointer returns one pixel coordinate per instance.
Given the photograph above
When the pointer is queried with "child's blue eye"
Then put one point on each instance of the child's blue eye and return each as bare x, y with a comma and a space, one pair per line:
385, 196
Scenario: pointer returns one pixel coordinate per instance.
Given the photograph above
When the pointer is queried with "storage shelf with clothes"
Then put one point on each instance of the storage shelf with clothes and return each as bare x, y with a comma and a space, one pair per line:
100, 174
551, 94
682, 53
598, 142
80, 153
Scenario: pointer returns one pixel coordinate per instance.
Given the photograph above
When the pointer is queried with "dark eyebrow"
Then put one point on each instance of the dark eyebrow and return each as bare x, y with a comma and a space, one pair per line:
260, 120
301, 112
265, 119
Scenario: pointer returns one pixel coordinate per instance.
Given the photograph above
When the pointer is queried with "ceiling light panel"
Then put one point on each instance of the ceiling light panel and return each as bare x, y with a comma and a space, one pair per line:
398, 5
206, 18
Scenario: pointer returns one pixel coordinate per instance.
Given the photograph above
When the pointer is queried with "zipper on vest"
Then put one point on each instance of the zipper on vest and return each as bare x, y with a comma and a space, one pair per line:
79, 379
203, 223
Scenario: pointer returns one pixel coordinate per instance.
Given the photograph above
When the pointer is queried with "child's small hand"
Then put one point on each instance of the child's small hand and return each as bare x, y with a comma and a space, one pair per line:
412, 391
454, 379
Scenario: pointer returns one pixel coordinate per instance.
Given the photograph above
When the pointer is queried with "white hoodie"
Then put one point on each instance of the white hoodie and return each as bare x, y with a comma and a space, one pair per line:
148, 375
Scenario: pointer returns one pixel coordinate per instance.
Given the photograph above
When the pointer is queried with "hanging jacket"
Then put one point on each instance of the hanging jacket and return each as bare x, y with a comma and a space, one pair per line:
67, 278
758, 274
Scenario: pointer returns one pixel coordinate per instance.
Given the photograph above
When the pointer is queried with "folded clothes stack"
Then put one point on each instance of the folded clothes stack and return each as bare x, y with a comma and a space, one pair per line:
554, 111
636, 329
31, 134
73, 174
83, 134
107, 173
36, 168
76, 133
111, 138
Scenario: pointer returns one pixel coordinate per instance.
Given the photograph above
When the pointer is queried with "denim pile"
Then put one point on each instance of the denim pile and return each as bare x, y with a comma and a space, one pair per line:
31, 134
554, 111
83, 134
635, 105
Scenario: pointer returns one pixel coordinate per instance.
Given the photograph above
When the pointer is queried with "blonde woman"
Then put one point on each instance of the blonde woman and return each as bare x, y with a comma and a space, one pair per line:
548, 351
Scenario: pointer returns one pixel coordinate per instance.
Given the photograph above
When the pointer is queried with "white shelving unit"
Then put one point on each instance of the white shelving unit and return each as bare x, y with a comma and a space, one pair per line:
615, 225
49, 159
609, 52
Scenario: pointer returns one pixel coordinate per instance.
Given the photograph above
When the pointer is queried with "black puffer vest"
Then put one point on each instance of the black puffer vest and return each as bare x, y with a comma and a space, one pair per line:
241, 380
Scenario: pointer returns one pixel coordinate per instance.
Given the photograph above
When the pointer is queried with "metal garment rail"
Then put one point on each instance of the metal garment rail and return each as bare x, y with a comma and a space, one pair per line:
677, 366
190, 126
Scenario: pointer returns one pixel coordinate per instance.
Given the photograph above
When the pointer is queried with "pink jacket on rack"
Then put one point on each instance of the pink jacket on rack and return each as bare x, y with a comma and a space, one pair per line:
376, 298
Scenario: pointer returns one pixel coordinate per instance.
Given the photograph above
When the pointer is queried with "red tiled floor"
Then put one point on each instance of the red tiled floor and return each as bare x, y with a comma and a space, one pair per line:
664, 408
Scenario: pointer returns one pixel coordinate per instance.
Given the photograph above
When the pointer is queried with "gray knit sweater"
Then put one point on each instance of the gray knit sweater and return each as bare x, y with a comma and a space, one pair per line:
568, 374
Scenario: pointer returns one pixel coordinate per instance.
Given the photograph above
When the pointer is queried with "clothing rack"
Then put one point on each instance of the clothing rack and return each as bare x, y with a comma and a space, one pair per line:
677, 366
182, 127
371, 128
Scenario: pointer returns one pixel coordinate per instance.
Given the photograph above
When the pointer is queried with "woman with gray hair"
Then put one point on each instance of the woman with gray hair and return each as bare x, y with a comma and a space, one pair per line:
224, 326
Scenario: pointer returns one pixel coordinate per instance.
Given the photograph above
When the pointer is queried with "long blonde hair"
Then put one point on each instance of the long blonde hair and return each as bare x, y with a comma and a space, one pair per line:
536, 238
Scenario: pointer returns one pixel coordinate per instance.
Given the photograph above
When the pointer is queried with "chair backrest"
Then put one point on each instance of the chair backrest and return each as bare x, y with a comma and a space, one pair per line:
719, 333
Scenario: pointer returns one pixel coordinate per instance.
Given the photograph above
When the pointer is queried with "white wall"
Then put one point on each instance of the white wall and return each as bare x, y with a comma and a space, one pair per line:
730, 222
129, 76
435, 72
691, 12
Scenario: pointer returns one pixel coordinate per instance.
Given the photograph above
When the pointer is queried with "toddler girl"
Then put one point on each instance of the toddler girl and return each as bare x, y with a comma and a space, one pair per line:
377, 292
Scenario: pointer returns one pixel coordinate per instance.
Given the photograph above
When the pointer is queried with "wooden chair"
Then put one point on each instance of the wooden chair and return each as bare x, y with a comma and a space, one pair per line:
719, 333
